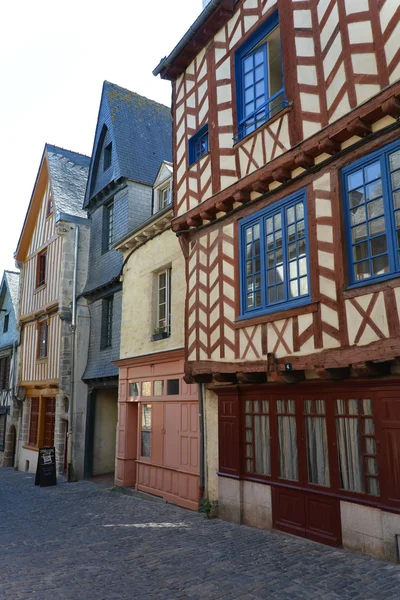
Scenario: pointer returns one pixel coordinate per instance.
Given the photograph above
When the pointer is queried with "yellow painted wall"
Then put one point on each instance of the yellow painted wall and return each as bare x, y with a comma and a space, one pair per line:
139, 296
211, 443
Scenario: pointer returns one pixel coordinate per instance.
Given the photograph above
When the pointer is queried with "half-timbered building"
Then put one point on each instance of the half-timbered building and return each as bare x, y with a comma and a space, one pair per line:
287, 204
9, 396
132, 137
52, 254
158, 424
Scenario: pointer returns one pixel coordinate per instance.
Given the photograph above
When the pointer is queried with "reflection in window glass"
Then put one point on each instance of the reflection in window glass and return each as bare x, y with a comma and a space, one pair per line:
146, 430
134, 389
287, 438
146, 388
317, 442
159, 387
172, 387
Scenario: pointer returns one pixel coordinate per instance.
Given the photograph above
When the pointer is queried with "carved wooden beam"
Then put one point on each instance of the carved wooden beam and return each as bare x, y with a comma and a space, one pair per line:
189, 379
225, 205
244, 377
241, 196
391, 107
194, 221
293, 376
273, 371
208, 215
339, 373
282, 174
370, 369
359, 127
304, 160
329, 146
224, 377
260, 187
203, 378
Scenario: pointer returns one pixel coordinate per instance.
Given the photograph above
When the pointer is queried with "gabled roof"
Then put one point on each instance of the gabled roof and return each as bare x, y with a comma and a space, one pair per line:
67, 172
165, 171
215, 14
10, 281
140, 131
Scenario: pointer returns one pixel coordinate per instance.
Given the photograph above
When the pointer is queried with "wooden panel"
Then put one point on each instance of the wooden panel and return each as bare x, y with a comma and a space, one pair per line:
389, 408
323, 519
177, 487
288, 511
171, 435
228, 435
44, 370
49, 420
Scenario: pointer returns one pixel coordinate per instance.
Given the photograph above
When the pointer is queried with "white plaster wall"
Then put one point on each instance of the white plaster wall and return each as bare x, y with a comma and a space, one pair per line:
139, 296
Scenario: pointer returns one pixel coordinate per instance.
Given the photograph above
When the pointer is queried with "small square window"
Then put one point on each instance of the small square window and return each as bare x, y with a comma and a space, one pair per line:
164, 197
172, 387
5, 324
198, 145
107, 157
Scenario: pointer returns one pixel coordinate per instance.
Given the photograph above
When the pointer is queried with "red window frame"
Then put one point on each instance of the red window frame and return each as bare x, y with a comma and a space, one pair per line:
41, 268
34, 422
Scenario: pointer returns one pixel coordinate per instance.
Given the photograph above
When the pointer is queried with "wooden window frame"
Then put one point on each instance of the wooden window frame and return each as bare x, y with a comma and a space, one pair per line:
41, 422
166, 328
199, 145
232, 444
6, 322
258, 220
162, 192
390, 214
41, 324
41, 268
254, 44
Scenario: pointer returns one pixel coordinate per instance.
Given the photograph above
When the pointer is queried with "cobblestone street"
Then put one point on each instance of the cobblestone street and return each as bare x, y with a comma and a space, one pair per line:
84, 542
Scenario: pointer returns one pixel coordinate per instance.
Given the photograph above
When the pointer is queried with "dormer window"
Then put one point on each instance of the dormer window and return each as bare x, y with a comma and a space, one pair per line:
107, 155
164, 197
5, 324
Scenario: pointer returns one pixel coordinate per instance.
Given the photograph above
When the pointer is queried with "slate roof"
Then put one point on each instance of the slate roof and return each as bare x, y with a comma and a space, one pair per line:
141, 132
12, 278
68, 172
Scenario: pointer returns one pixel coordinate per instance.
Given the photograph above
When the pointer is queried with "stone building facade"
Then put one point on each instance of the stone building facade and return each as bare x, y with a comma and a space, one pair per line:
286, 182
52, 254
133, 135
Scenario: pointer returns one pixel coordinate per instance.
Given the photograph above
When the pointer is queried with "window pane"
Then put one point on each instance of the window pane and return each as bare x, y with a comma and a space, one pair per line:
262, 445
146, 416
134, 389
350, 454
145, 449
158, 387
172, 387
146, 388
373, 486
370, 445
287, 437
317, 451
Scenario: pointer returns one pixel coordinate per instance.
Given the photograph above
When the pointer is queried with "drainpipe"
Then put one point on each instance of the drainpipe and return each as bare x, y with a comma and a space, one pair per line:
73, 328
202, 452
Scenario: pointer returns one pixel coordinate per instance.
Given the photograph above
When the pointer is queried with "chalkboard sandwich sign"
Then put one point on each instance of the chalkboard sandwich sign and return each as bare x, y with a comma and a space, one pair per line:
46, 468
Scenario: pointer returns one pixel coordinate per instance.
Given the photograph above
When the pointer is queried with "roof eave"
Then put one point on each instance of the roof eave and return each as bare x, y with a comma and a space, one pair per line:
210, 21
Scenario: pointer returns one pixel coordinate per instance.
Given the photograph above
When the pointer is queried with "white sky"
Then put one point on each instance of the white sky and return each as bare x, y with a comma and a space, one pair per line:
54, 57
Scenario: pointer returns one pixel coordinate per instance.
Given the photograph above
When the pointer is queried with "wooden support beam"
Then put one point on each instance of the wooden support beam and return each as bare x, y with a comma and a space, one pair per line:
282, 174
241, 196
359, 127
244, 377
224, 377
203, 378
208, 215
339, 373
369, 368
194, 221
304, 160
275, 374
391, 107
225, 206
189, 379
328, 146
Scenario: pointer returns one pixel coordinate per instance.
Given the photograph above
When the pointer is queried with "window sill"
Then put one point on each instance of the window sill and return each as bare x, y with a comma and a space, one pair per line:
361, 288
160, 336
304, 309
196, 162
278, 115
28, 447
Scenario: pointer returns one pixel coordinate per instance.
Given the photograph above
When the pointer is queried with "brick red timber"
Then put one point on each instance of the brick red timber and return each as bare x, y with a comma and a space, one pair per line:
213, 119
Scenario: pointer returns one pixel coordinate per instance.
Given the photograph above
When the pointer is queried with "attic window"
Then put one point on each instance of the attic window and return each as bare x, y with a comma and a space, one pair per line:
107, 157
5, 325
49, 206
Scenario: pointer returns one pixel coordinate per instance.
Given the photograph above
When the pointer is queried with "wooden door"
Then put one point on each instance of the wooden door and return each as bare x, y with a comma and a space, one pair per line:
49, 421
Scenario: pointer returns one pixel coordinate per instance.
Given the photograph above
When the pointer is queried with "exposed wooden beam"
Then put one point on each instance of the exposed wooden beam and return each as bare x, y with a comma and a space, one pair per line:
340, 373
225, 205
328, 146
359, 127
203, 378
391, 107
281, 174
224, 377
244, 377
304, 160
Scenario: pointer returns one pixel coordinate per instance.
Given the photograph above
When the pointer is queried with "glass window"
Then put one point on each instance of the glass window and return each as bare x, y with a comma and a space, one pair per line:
164, 302
41, 268
134, 389
372, 196
159, 387
146, 431
107, 321
198, 145
164, 197
356, 444
317, 442
287, 440
257, 437
274, 260
172, 387
108, 226
42, 339
34, 421
146, 388
107, 157
5, 324
259, 82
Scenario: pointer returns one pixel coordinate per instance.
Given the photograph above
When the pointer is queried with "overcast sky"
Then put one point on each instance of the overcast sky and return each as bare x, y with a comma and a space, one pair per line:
54, 57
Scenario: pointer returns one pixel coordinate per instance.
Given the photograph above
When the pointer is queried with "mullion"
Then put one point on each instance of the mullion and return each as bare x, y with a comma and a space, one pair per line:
395, 245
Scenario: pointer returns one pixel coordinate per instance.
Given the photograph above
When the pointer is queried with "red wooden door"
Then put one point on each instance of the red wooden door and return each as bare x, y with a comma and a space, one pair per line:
388, 407
49, 420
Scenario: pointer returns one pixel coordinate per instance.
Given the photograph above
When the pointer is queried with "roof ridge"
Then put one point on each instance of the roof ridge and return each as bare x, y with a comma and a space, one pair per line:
115, 85
66, 150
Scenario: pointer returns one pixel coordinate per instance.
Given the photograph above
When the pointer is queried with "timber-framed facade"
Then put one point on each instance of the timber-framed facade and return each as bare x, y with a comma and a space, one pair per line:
288, 222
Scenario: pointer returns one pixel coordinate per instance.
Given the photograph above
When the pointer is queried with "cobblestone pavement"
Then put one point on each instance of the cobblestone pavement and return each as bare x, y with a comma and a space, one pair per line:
82, 541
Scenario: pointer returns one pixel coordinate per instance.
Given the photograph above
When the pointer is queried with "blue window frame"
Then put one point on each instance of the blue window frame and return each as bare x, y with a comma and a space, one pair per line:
274, 264
259, 78
198, 144
371, 188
